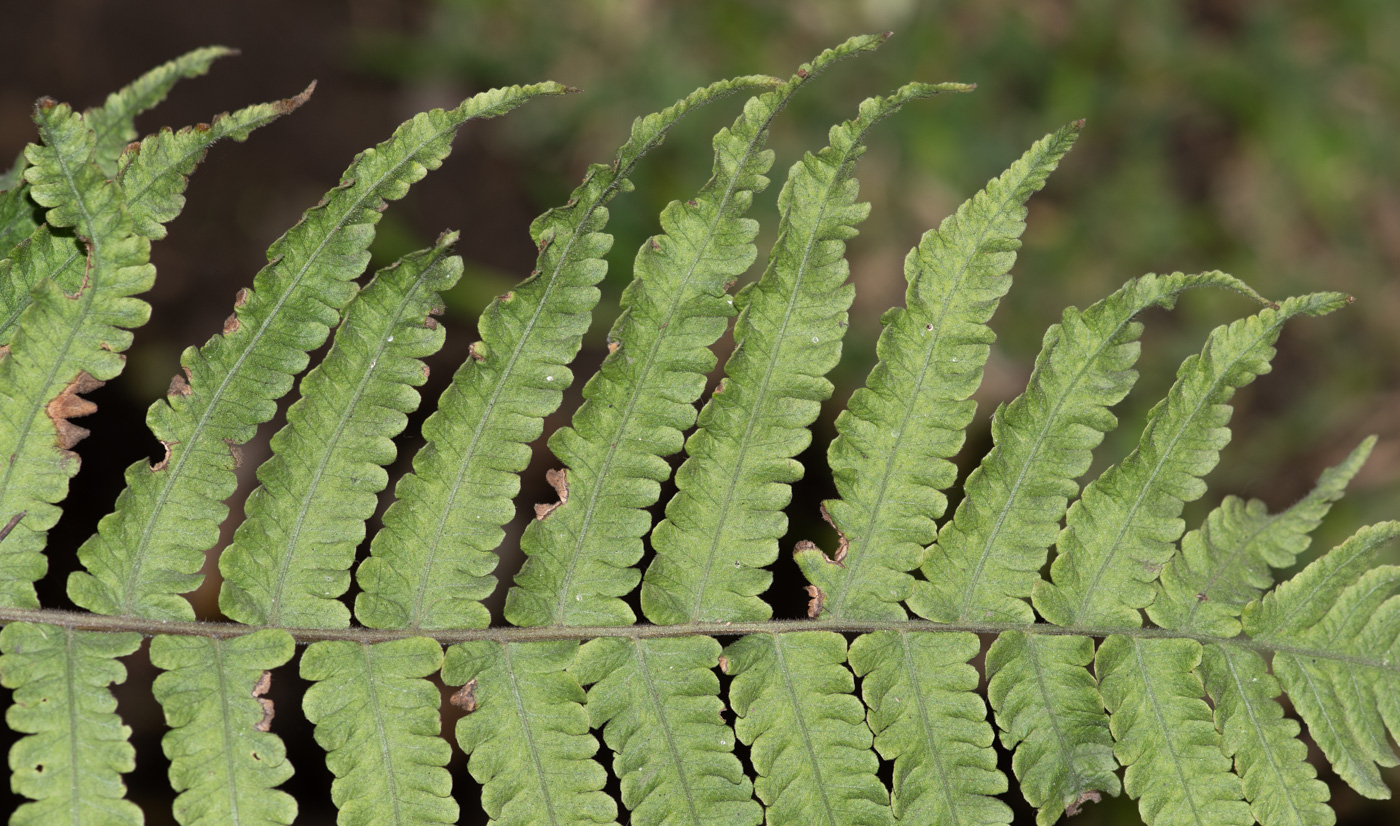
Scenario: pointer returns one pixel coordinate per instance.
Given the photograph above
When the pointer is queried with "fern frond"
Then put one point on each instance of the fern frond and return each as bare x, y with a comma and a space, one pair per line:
657, 702
579, 555
377, 719
1334, 626
153, 176
723, 524
526, 732
450, 509
113, 123
149, 550
988, 556
19, 215
13, 178
928, 720
1279, 782
65, 344
805, 729
1124, 527
290, 558
891, 457
153, 172
1165, 735
224, 760
75, 750
1049, 710
41, 255
1224, 564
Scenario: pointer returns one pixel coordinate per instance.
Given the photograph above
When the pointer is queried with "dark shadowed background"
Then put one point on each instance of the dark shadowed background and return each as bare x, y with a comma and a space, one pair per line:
1233, 135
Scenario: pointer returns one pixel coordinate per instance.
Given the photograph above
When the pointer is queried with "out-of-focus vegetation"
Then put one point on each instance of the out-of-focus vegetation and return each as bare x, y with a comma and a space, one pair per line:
1254, 137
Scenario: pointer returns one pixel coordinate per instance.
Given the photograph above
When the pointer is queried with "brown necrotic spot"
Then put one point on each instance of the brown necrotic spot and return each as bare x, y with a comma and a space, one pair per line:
180, 385
559, 480
231, 324
69, 404
465, 697
816, 602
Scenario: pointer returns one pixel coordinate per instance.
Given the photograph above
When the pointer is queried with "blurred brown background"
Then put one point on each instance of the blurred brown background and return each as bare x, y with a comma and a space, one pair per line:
1253, 137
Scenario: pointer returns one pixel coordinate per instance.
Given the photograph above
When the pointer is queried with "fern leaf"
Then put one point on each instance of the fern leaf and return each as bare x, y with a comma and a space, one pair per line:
13, 178
1334, 626
988, 556
526, 732
19, 215
806, 731
75, 750
224, 761
1050, 712
1279, 782
1165, 735
113, 123
1224, 564
149, 551
290, 558
154, 176
377, 719
723, 524
658, 704
153, 172
450, 509
1124, 527
931, 724
65, 345
890, 458
580, 554
41, 255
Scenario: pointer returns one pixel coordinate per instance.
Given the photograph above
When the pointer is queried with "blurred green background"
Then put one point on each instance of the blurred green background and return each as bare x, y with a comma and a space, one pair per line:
1249, 136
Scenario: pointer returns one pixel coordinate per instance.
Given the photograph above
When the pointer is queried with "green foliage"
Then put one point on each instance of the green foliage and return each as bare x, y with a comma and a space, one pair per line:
1189, 706
224, 761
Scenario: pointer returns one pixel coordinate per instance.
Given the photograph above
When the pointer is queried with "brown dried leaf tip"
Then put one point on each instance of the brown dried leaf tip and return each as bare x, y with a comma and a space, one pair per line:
817, 601
70, 405
1090, 796
465, 697
259, 689
559, 480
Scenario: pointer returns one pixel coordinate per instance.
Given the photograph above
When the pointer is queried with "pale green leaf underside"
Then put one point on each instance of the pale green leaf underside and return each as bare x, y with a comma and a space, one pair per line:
1340, 605
988, 556
527, 734
640, 402
377, 719
808, 742
75, 749
1278, 781
65, 343
447, 521
149, 550
113, 123
1124, 527
928, 719
1224, 564
290, 558
1049, 710
657, 702
1164, 733
1193, 709
224, 760
891, 457
723, 525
